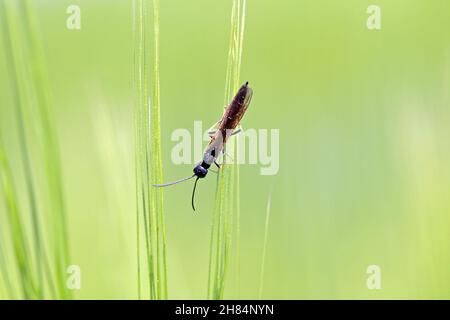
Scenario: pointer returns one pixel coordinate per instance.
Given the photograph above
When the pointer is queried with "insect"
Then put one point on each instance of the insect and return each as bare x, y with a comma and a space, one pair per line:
226, 127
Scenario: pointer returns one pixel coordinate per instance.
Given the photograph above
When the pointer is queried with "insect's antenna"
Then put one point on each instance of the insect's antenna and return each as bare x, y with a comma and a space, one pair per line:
173, 182
193, 193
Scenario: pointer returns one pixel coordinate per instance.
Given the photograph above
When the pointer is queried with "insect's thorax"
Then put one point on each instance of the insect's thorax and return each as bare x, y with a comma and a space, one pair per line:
230, 120
213, 150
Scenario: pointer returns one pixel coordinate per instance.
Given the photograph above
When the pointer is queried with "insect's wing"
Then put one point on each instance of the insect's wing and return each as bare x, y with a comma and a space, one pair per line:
248, 98
245, 105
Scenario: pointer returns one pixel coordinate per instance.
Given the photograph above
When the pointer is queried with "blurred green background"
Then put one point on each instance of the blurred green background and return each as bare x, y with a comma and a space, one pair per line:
364, 120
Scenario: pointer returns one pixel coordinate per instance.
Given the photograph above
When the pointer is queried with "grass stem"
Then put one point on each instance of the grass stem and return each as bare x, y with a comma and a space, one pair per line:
148, 160
226, 198
266, 231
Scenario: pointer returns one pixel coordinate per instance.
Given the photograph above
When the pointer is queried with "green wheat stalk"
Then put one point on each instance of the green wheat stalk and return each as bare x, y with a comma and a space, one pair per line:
61, 255
27, 71
266, 232
148, 160
19, 239
226, 201
16, 73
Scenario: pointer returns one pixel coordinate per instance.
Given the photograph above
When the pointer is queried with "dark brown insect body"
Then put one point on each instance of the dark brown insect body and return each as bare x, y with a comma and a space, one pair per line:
235, 111
226, 128
230, 120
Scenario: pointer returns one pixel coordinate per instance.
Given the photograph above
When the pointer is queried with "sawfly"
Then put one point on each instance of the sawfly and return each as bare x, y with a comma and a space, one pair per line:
226, 127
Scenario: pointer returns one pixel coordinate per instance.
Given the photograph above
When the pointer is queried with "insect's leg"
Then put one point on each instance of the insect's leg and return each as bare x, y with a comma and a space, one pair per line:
236, 131
226, 154
214, 125
212, 133
216, 172
211, 130
218, 165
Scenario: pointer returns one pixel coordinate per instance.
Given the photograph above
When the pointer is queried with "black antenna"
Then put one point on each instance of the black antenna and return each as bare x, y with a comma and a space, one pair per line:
193, 193
174, 182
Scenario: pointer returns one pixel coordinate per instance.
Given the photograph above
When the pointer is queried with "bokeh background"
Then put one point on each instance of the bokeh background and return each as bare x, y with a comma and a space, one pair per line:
364, 120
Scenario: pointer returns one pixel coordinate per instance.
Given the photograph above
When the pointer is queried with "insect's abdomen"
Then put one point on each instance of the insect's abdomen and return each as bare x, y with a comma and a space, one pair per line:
237, 108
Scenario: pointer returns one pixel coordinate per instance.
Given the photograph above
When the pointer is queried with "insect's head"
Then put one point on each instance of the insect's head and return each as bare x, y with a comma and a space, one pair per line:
200, 171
